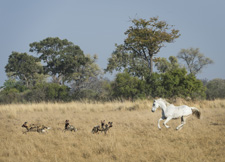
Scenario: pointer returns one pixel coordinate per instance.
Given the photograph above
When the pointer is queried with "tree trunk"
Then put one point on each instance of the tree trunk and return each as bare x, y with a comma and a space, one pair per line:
26, 80
151, 64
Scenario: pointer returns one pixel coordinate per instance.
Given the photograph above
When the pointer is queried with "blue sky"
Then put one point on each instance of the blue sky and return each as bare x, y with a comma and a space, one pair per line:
97, 25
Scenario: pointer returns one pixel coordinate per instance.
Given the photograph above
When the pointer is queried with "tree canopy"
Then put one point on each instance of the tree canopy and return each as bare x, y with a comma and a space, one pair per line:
195, 61
163, 65
62, 57
24, 67
144, 39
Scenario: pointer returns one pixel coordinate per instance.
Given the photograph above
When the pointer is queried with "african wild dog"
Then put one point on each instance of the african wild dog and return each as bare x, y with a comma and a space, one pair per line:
104, 127
107, 127
35, 128
69, 127
95, 129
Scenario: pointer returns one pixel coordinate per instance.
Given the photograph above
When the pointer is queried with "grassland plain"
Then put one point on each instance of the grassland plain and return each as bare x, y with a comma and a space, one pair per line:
133, 137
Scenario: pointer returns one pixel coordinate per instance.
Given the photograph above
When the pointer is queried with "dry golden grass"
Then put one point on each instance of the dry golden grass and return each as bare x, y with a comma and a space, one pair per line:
133, 137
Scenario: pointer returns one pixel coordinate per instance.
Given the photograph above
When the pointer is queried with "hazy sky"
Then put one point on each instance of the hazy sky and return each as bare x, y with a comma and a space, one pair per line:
96, 25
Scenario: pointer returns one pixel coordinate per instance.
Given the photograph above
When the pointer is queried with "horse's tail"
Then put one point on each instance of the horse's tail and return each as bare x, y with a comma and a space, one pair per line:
196, 112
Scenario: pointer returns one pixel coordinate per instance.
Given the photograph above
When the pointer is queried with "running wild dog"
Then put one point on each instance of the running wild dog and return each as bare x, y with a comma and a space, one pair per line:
108, 126
69, 127
95, 129
35, 128
104, 127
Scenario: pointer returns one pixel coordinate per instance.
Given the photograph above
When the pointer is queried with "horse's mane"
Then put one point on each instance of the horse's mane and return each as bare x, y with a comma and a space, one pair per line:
167, 103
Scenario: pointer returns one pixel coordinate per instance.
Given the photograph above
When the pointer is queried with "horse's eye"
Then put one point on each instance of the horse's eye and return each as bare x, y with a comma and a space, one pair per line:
153, 104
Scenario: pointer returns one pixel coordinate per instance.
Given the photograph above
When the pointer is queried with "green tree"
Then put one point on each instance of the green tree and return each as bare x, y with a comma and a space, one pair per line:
8, 96
144, 39
12, 83
48, 92
154, 85
62, 58
128, 87
175, 83
123, 60
23, 67
178, 84
215, 89
195, 61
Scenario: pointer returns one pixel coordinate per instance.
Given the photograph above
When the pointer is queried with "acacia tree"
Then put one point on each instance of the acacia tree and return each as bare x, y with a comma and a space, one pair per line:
62, 58
23, 67
144, 39
194, 59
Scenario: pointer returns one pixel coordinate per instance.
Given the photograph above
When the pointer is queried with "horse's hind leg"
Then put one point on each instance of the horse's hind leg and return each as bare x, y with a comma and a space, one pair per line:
183, 121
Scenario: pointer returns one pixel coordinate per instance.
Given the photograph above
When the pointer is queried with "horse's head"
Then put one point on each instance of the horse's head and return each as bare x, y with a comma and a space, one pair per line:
159, 103
155, 106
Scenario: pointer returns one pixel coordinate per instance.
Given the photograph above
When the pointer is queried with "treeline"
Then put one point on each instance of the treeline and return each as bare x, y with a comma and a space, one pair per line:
171, 84
63, 73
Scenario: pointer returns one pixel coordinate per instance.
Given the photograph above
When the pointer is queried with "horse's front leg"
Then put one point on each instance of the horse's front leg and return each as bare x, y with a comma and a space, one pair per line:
168, 119
159, 122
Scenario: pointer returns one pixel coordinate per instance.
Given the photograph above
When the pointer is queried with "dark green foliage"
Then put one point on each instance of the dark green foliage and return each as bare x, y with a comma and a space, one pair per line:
24, 67
12, 83
175, 83
39, 93
62, 58
9, 96
48, 92
12, 92
178, 84
126, 86
154, 86
215, 89
52, 92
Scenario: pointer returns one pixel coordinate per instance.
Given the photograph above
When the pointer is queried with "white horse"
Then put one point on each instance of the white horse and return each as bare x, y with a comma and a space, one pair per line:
169, 111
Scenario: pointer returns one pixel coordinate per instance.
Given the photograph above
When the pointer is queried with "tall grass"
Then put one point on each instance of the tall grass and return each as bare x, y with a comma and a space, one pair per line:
133, 137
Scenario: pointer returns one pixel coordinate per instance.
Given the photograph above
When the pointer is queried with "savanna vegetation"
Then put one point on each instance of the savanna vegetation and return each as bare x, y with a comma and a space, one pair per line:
133, 137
